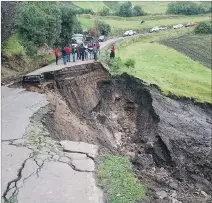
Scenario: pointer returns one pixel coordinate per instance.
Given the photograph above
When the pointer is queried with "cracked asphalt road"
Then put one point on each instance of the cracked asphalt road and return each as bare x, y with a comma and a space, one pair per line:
36, 168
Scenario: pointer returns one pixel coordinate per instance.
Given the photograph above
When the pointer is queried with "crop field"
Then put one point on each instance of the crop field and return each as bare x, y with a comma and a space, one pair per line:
197, 47
135, 22
171, 70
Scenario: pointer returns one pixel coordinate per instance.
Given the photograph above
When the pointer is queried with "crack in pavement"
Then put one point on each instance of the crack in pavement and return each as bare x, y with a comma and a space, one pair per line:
78, 152
19, 176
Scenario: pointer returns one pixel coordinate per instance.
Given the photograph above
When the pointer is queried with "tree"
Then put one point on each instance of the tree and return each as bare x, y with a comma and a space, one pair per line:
105, 11
68, 26
103, 27
125, 9
32, 28
137, 11
188, 8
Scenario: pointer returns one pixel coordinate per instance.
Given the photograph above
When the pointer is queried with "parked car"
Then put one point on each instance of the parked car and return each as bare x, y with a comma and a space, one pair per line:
190, 24
77, 39
163, 28
126, 33
155, 29
129, 33
102, 38
178, 26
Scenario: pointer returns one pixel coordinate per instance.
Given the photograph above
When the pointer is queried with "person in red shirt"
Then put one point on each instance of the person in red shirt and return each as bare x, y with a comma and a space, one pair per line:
56, 53
112, 53
68, 53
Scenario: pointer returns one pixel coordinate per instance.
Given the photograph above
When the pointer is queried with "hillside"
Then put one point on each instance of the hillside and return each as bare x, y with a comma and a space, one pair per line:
120, 24
149, 7
172, 71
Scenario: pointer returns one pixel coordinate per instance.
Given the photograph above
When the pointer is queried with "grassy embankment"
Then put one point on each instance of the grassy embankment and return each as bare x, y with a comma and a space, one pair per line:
120, 24
16, 61
115, 175
169, 69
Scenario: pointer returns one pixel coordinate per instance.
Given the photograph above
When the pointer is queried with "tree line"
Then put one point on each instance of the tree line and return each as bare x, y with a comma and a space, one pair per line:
50, 23
189, 8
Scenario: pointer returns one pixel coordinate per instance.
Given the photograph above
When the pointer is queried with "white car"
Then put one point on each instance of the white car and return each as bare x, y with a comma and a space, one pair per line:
155, 29
178, 26
163, 28
129, 33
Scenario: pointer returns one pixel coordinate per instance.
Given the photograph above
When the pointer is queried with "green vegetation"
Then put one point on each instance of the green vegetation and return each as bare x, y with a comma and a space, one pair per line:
204, 28
115, 175
121, 23
96, 6
188, 8
13, 46
126, 9
172, 71
197, 47
152, 7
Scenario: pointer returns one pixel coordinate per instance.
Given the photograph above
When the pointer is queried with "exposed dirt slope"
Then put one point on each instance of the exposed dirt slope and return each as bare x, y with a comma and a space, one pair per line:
168, 140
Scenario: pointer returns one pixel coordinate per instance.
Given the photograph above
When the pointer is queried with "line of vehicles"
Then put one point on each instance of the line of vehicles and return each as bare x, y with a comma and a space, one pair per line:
158, 28
86, 40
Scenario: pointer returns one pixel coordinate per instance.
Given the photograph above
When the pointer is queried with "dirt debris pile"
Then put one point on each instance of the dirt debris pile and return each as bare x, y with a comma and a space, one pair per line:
168, 140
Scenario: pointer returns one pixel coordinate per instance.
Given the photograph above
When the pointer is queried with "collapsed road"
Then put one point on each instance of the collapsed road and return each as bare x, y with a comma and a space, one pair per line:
168, 139
53, 132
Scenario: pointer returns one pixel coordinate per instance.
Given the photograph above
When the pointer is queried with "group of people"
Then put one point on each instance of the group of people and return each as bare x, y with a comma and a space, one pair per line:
80, 52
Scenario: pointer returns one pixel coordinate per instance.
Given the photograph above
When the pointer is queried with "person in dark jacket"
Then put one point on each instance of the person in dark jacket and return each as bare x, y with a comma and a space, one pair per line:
82, 52
73, 50
64, 55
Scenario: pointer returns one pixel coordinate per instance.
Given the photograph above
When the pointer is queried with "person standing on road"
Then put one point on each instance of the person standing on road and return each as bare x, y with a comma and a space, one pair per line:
64, 55
112, 53
82, 52
56, 53
98, 49
95, 52
68, 53
73, 50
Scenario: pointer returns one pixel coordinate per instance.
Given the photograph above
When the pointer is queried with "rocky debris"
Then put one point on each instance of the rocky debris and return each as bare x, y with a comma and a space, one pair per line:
162, 194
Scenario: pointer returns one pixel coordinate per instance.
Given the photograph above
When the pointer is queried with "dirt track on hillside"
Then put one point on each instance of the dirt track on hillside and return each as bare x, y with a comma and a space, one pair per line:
169, 141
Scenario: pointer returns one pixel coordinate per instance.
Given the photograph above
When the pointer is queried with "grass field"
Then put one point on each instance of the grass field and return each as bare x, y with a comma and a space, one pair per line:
197, 47
172, 71
135, 22
116, 176
153, 7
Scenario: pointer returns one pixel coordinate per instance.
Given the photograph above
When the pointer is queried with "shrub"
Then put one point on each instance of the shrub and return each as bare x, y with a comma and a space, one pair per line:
125, 9
204, 27
115, 64
13, 46
104, 12
137, 11
130, 63
85, 11
103, 27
